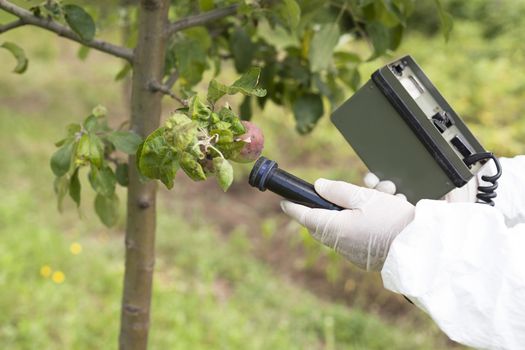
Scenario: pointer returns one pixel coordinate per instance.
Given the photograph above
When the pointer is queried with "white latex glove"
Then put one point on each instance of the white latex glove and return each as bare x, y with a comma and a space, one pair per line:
363, 232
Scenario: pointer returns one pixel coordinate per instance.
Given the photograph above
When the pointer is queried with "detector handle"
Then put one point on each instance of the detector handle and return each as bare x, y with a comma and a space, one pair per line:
267, 175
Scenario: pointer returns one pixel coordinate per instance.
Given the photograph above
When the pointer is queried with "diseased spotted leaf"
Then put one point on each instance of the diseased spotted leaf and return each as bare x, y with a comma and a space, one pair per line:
156, 159
106, 208
125, 141
79, 21
199, 110
19, 54
191, 167
223, 136
223, 172
150, 152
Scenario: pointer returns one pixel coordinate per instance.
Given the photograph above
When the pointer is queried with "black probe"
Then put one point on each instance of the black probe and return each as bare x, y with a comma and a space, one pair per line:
267, 175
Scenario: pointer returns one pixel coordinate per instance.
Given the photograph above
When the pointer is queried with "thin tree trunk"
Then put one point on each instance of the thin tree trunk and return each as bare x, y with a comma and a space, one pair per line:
141, 213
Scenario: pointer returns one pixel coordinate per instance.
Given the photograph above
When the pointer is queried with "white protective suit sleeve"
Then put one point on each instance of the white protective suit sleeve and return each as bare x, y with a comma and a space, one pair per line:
511, 191
464, 264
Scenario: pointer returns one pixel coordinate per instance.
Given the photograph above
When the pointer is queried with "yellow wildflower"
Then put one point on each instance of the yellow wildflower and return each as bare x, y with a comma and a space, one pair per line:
58, 277
75, 248
46, 271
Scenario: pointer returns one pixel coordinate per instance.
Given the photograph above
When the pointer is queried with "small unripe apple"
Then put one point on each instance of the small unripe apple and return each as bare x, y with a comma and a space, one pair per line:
254, 143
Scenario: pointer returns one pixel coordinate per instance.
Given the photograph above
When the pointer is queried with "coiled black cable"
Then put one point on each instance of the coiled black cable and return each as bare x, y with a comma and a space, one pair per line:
486, 193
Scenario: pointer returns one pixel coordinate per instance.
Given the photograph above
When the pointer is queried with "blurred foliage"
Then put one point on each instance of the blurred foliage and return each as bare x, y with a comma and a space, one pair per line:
498, 17
304, 50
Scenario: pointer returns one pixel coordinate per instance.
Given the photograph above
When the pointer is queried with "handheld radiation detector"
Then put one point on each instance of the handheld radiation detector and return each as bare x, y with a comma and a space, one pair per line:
405, 131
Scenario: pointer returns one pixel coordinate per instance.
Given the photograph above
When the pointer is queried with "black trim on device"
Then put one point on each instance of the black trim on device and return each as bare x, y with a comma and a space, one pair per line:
414, 124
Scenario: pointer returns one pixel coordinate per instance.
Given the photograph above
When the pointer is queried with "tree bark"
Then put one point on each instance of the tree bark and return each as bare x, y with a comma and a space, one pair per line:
148, 65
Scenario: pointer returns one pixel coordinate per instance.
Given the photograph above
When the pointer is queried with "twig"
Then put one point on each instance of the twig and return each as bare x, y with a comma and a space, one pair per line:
27, 17
201, 18
12, 25
171, 80
155, 86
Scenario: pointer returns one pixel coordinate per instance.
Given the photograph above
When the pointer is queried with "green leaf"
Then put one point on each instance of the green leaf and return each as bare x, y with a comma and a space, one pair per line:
19, 54
99, 111
125, 141
123, 72
184, 135
106, 208
322, 46
74, 187
445, 20
102, 180
380, 36
191, 167
223, 135
168, 169
231, 150
245, 109
83, 52
247, 83
396, 35
79, 21
156, 159
242, 49
90, 148
73, 128
215, 91
121, 173
198, 109
291, 13
224, 172
90, 124
190, 55
61, 159
61, 186
205, 5
307, 109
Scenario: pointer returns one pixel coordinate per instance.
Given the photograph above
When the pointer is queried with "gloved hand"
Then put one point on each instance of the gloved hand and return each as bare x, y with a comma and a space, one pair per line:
467, 193
363, 232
